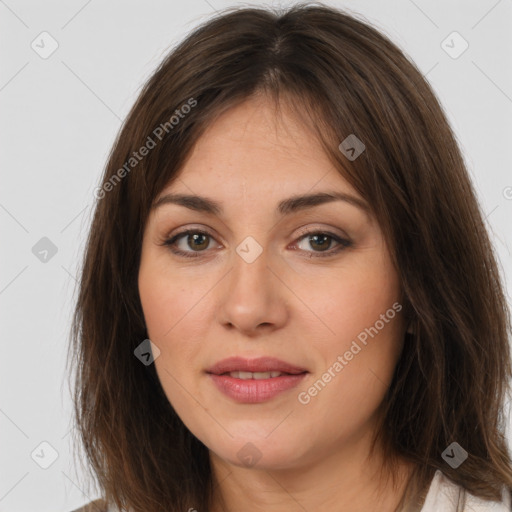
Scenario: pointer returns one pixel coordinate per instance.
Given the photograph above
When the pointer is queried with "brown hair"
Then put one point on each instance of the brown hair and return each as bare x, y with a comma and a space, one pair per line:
342, 77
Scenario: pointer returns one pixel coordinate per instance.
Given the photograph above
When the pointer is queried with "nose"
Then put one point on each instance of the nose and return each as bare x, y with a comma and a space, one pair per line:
252, 297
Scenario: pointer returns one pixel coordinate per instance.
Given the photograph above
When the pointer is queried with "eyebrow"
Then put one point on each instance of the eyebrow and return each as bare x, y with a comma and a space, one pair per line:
285, 207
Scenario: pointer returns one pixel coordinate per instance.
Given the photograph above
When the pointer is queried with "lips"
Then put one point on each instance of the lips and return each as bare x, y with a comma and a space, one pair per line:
258, 365
253, 381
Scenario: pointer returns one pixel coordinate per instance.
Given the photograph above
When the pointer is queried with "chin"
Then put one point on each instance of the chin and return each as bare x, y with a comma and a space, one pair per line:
259, 452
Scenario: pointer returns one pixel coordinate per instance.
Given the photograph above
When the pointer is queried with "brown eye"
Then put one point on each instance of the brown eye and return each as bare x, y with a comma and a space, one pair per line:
321, 241
196, 240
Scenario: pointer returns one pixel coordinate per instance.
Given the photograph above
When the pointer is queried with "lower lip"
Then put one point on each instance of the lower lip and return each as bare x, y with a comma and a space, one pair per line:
254, 391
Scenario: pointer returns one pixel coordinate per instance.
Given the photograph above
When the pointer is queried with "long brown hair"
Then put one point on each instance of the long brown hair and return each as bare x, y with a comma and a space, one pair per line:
342, 77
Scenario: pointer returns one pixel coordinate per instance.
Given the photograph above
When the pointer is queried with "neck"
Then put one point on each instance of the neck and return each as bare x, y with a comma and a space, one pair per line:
344, 479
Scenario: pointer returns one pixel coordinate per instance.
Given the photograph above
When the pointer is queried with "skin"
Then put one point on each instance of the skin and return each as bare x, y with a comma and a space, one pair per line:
289, 303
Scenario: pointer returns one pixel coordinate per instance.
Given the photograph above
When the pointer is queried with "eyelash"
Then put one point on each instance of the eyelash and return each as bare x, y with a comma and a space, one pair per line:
190, 254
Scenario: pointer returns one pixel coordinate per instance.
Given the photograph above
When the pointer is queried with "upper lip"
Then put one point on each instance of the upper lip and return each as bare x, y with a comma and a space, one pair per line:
260, 364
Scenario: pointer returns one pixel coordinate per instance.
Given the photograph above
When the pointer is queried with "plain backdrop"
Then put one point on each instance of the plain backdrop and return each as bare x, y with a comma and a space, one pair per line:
60, 114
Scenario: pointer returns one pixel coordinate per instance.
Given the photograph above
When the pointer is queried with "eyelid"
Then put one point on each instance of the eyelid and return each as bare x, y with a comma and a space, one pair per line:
308, 228
301, 231
189, 228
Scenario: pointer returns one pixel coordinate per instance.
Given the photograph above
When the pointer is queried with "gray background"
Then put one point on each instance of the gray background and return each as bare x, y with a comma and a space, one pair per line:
59, 119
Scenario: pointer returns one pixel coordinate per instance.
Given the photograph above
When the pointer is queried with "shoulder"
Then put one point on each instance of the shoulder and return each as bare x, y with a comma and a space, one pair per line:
99, 505
444, 495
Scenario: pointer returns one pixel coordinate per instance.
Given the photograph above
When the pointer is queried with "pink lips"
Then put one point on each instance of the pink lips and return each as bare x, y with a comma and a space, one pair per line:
254, 390
261, 364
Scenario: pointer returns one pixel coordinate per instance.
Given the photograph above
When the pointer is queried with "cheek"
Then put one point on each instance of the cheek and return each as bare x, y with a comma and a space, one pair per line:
361, 310
168, 300
356, 368
355, 299
173, 307
170, 316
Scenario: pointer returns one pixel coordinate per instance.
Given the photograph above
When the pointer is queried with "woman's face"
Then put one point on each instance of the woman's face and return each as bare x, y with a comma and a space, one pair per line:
309, 283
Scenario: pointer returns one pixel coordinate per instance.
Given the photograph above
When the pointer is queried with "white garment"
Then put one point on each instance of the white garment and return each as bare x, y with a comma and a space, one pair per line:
443, 495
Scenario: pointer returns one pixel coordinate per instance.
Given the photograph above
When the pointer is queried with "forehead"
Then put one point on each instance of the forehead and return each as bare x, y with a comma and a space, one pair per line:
252, 149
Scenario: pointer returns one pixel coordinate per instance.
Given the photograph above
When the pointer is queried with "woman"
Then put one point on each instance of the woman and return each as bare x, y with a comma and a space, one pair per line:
289, 300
